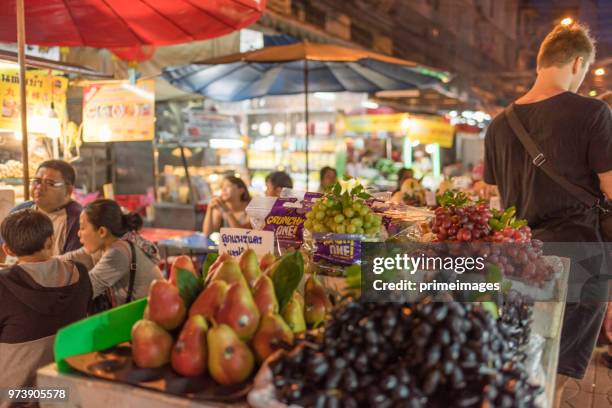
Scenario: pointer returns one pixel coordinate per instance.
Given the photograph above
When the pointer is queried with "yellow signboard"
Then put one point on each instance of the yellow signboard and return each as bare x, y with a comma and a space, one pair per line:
430, 131
424, 129
118, 111
375, 123
44, 91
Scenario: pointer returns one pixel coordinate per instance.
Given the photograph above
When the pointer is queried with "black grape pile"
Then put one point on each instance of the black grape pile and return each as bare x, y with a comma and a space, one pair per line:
407, 355
516, 317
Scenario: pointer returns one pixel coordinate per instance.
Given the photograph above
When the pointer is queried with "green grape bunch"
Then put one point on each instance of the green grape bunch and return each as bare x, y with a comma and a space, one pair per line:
343, 210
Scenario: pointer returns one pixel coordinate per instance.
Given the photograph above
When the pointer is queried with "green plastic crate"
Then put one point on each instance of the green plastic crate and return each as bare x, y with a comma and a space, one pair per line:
97, 333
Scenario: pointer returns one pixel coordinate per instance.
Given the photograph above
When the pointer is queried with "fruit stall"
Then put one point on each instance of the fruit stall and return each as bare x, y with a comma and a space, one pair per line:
298, 328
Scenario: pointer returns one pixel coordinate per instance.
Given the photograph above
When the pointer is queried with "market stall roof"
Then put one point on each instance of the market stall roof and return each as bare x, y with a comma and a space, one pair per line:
43, 63
281, 70
427, 100
307, 50
131, 23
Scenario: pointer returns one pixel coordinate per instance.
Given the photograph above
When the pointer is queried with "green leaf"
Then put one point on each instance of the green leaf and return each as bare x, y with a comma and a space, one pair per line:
189, 285
506, 286
287, 276
337, 189
210, 259
518, 224
495, 224
357, 190
492, 308
453, 198
364, 195
494, 274
353, 277
507, 215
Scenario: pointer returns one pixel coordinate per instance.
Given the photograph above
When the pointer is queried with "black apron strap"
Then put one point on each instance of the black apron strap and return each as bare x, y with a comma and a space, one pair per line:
130, 292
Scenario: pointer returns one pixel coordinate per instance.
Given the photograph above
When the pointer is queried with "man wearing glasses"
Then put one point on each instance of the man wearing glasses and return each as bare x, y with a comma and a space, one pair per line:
51, 190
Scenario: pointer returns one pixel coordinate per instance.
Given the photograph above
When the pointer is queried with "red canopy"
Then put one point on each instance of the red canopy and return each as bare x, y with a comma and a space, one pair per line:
127, 23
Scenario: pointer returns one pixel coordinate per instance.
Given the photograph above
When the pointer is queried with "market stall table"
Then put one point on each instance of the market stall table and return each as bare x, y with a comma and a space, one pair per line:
172, 242
194, 245
156, 235
94, 392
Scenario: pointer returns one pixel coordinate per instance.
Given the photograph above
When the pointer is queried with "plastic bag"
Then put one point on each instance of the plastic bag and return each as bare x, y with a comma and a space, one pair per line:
405, 222
263, 393
533, 362
258, 209
285, 216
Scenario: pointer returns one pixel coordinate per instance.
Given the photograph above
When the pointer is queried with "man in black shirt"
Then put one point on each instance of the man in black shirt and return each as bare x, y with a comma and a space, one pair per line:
575, 134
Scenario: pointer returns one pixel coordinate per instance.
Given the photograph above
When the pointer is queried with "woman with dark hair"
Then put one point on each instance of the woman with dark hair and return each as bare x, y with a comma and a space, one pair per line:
229, 209
115, 255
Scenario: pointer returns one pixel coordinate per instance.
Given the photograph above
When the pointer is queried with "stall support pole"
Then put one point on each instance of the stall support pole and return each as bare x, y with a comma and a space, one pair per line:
306, 120
192, 197
20, 12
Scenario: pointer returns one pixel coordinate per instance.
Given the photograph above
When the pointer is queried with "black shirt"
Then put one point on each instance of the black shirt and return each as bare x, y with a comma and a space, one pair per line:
574, 133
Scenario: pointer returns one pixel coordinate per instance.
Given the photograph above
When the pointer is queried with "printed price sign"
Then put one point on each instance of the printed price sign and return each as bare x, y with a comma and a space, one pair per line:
235, 241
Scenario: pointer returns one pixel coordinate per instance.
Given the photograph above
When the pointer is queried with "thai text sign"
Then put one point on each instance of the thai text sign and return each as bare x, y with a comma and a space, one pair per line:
43, 90
235, 241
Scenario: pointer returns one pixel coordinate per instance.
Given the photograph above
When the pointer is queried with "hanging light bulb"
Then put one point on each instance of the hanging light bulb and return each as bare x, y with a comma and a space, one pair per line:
53, 128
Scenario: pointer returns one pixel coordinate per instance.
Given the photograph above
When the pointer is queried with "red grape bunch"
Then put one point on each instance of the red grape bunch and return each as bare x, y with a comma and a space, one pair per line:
458, 220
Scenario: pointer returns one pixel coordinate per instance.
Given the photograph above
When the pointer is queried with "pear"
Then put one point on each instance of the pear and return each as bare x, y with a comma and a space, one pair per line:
166, 306
316, 302
266, 261
272, 330
239, 311
250, 266
230, 361
293, 313
212, 270
189, 353
229, 272
271, 270
182, 262
151, 344
265, 296
210, 300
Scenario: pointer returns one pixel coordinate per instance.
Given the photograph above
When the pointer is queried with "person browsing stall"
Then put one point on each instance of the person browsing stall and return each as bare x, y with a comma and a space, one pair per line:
276, 181
38, 295
328, 177
112, 249
402, 175
574, 135
229, 209
51, 190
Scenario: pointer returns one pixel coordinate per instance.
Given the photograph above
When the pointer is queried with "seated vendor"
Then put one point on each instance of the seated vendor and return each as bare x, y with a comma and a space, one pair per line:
229, 209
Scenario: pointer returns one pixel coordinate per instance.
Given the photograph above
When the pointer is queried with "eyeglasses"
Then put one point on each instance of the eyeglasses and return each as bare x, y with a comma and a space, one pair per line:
48, 183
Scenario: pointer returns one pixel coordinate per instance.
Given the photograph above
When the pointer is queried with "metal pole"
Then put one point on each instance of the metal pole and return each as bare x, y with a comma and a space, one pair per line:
22, 93
192, 197
306, 120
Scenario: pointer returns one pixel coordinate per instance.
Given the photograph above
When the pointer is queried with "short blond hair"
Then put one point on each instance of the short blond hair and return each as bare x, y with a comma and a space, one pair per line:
564, 43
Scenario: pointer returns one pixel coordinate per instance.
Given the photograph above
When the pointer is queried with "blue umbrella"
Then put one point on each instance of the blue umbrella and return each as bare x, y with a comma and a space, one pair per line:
300, 68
